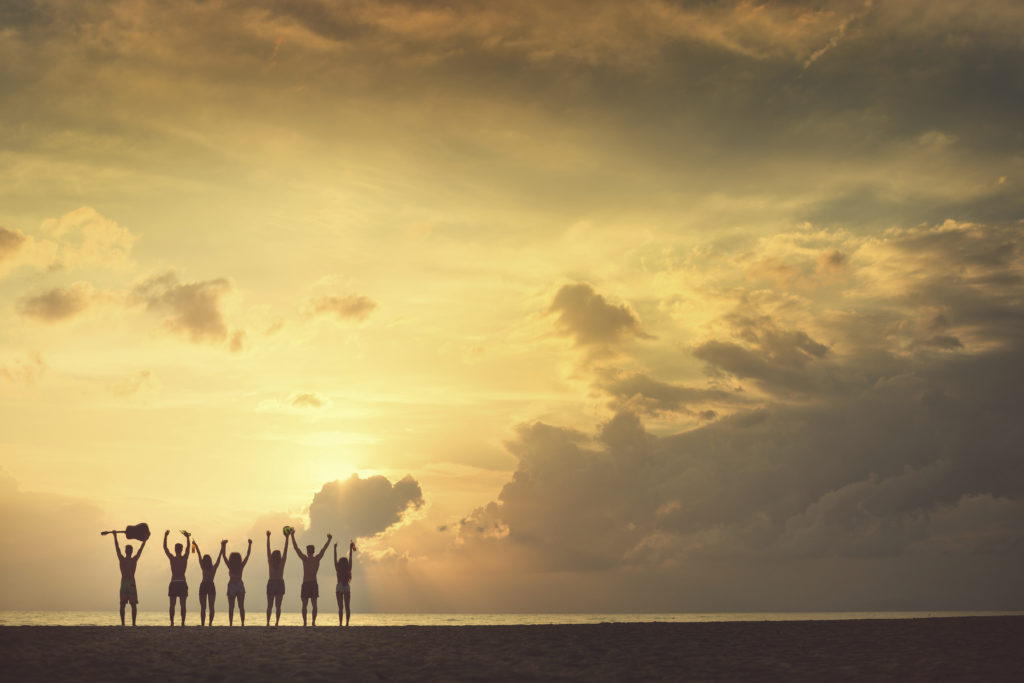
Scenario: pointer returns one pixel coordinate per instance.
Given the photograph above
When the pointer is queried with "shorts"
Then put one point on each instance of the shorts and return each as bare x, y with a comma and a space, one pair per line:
343, 588
235, 587
177, 588
275, 587
128, 592
310, 589
206, 588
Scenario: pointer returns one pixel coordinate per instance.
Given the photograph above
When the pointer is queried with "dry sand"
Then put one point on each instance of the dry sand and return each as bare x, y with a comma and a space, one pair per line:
967, 648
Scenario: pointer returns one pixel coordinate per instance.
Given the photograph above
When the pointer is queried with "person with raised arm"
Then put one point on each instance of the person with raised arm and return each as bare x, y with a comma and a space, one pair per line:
275, 584
177, 589
310, 565
207, 589
128, 563
236, 588
344, 594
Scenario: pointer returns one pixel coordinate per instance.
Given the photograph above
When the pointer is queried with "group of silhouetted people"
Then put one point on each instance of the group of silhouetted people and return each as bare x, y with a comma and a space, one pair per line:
177, 590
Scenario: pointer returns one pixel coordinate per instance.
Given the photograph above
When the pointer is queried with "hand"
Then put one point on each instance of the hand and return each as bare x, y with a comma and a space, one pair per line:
187, 534
224, 542
335, 546
268, 533
167, 533
329, 537
250, 541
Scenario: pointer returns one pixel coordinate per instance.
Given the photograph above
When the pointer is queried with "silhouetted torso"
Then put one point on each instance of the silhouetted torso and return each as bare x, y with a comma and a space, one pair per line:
128, 565
178, 565
310, 566
276, 568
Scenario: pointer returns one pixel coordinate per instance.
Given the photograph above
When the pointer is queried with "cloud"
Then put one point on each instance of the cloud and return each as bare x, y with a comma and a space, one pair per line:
59, 303
193, 308
307, 401
86, 238
590, 319
349, 307
25, 371
10, 242
639, 393
361, 508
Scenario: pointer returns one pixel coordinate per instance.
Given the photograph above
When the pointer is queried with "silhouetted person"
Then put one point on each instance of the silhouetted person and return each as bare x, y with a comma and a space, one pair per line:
177, 589
310, 565
344, 594
275, 584
207, 589
128, 562
236, 588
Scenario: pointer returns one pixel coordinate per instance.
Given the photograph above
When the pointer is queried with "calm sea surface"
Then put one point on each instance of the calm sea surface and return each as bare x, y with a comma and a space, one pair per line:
327, 618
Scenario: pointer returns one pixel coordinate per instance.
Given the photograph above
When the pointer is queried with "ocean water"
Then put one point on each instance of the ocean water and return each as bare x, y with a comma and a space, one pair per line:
330, 618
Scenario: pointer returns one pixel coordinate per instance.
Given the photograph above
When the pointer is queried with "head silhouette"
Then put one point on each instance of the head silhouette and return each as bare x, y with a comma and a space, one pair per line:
206, 562
178, 548
235, 561
128, 550
276, 555
310, 549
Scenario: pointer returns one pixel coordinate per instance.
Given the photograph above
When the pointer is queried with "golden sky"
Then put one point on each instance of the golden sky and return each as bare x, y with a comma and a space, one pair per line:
575, 306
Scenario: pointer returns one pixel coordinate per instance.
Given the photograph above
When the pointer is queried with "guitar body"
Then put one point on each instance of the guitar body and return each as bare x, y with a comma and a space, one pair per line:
137, 532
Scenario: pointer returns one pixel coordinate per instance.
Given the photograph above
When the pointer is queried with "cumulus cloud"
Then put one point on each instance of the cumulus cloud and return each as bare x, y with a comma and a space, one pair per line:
641, 394
590, 319
60, 303
86, 238
349, 307
360, 508
193, 309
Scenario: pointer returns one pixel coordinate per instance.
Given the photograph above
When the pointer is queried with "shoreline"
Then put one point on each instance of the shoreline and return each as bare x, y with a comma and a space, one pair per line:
939, 648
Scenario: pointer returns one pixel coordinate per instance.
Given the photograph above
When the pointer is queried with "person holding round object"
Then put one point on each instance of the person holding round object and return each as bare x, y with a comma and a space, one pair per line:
310, 566
343, 592
236, 588
128, 562
207, 589
177, 589
275, 582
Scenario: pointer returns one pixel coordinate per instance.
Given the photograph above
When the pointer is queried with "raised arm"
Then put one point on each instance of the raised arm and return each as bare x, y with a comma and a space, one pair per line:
296, 546
268, 545
351, 547
188, 545
141, 548
284, 555
247, 553
335, 555
323, 550
199, 553
166, 551
223, 545
117, 546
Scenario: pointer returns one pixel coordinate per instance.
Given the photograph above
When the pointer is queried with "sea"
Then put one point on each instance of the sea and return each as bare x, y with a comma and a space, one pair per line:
329, 618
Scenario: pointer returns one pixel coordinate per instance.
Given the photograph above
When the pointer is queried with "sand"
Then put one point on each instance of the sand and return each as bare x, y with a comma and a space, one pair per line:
965, 648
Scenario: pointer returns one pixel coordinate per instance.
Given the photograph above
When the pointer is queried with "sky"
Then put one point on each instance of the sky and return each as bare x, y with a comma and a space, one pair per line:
660, 306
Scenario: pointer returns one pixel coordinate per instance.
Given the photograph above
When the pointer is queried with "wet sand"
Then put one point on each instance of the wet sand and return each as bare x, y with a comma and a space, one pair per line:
963, 648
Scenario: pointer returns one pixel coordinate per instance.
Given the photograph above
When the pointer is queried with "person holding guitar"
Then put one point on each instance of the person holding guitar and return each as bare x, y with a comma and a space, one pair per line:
128, 562
177, 589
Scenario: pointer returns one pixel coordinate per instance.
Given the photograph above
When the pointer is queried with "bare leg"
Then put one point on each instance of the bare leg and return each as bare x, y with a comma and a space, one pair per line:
202, 610
348, 609
270, 603
341, 604
172, 611
304, 601
122, 613
241, 607
135, 611
182, 599
211, 599
277, 602
231, 610
313, 600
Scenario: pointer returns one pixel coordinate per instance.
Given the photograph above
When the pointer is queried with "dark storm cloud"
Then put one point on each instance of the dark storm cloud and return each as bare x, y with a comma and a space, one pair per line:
360, 508
590, 319
192, 308
10, 242
57, 304
349, 307
642, 394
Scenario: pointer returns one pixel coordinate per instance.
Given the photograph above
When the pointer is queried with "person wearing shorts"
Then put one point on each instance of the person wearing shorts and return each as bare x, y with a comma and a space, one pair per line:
177, 589
310, 565
275, 584
236, 588
207, 589
128, 562
343, 591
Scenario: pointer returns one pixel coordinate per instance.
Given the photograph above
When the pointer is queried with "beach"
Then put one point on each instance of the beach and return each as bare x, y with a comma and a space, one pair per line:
965, 648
